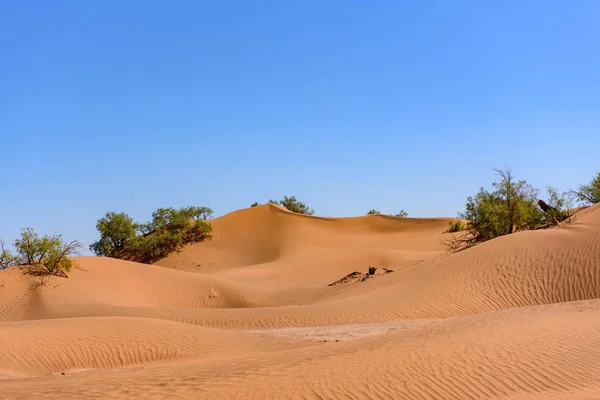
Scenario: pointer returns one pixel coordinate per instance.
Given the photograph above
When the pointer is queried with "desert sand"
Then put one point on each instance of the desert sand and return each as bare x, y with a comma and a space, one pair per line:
250, 314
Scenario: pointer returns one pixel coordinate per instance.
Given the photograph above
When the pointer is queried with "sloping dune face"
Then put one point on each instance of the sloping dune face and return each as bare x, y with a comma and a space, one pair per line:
270, 233
244, 315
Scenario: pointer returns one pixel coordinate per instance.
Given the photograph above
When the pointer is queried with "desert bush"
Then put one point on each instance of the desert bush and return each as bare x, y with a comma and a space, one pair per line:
169, 230
255, 204
59, 255
30, 247
294, 205
511, 207
51, 252
6, 257
148, 242
590, 193
401, 214
455, 226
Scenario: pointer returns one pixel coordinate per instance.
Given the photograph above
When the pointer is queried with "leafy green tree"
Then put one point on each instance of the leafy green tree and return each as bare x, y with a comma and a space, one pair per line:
203, 212
373, 211
168, 230
167, 216
115, 230
590, 193
6, 257
511, 207
294, 205
30, 248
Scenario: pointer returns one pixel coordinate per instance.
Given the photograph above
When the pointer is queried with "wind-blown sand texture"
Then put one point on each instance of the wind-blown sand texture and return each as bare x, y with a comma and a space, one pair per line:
249, 315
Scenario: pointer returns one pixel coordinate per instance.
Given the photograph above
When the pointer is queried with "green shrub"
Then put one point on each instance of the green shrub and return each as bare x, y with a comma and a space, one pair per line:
148, 242
373, 212
6, 257
51, 252
401, 214
511, 207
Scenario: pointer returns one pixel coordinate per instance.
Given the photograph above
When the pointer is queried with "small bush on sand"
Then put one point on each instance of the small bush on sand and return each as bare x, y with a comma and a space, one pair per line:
50, 252
373, 211
511, 207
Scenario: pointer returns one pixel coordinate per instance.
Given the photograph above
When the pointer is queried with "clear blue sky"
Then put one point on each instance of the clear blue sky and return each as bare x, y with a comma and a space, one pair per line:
349, 105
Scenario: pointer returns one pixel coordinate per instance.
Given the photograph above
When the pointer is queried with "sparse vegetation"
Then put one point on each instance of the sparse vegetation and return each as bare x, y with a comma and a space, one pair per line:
401, 214
148, 242
557, 208
294, 205
49, 252
455, 226
589, 194
255, 204
6, 257
511, 207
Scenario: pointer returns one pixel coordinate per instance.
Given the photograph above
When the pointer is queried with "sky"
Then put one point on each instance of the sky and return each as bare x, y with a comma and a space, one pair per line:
348, 105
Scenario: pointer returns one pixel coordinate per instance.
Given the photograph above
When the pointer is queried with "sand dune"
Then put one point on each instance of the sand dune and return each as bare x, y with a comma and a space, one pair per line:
269, 233
513, 318
35, 348
520, 352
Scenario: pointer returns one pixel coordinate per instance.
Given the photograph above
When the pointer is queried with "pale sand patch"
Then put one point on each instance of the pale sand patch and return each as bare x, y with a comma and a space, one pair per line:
337, 333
